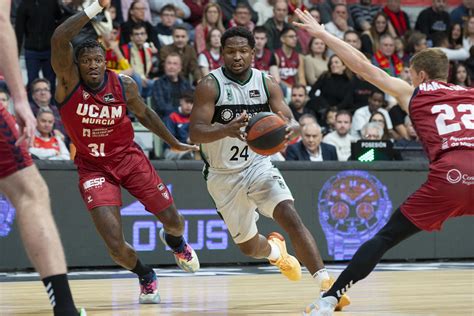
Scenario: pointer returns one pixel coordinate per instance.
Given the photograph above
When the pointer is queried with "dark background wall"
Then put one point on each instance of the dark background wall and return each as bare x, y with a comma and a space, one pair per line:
205, 230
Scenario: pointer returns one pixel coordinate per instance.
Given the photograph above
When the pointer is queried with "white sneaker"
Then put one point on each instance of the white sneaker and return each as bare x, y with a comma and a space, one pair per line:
187, 260
322, 307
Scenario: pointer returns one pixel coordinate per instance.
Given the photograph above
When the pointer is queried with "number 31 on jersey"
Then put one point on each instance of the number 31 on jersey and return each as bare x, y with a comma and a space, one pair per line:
97, 150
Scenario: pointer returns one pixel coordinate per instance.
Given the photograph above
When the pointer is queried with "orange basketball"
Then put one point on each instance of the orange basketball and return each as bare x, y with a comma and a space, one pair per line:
266, 133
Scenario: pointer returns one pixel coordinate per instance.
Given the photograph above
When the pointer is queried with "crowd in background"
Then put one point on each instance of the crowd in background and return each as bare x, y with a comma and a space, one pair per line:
167, 46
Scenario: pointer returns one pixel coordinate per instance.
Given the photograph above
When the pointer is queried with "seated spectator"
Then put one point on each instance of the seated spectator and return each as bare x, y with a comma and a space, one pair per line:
370, 39
400, 50
264, 60
298, 101
416, 43
361, 91
315, 62
156, 6
326, 91
455, 36
397, 17
140, 57
379, 118
340, 138
339, 24
329, 120
363, 14
47, 146
386, 59
113, 55
189, 66
125, 7
433, 19
41, 95
289, 61
371, 131
229, 7
178, 125
136, 15
264, 9
441, 41
363, 114
197, 11
211, 57
306, 119
459, 75
212, 19
352, 38
326, 8
468, 30
460, 13
4, 98
168, 89
276, 24
242, 17
164, 29
310, 147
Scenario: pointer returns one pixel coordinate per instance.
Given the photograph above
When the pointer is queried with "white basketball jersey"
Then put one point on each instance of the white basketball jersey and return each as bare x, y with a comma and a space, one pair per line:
229, 155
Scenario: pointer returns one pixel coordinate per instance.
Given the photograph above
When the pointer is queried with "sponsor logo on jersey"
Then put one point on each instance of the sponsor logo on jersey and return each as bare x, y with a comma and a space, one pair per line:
254, 93
227, 115
109, 97
160, 186
93, 114
93, 183
86, 132
455, 176
165, 195
228, 92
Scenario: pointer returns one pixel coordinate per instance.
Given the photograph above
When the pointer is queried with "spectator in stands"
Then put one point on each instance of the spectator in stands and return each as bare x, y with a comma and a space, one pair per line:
416, 43
459, 75
315, 62
189, 70
310, 148
289, 62
352, 38
136, 15
46, 145
327, 7
196, 8
386, 59
362, 115
363, 14
164, 29
307, 118
298, 101
178, 125
379, 118
113, 55
371, 131
433, 19
277, 24
329, 120
212, 19
35, 23
4, 98
327, 89
340, 138
211, 57
397, 17
112, 10
400, 50
264, 60
181, 10
264, 9
397, 116
370, 39
242, 17
339, 24
126, 5
229, 7
41, 99
468, 37
460, 14
455, 36
167, 90
140, 57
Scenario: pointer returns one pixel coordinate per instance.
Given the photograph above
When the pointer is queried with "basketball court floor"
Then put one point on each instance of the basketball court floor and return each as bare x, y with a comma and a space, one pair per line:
393, 289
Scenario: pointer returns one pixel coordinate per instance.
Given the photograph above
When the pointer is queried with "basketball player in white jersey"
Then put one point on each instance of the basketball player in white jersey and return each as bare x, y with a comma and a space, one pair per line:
239, 180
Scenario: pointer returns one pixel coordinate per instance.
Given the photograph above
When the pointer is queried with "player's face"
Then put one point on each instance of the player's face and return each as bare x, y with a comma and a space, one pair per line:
343, 124
237, 55
45, 123
92, 66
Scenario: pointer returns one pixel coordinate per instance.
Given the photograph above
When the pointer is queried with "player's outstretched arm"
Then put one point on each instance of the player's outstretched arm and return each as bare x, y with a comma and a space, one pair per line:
201, 128
62, 55
357, 62
148, 117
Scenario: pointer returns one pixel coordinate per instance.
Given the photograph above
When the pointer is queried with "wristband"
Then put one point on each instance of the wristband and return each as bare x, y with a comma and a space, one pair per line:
94, 9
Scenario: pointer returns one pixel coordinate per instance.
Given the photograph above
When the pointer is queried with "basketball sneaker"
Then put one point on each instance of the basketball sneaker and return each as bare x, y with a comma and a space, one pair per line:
323, 307
288, 265
187, 259
343, 302
149, 289
82, 312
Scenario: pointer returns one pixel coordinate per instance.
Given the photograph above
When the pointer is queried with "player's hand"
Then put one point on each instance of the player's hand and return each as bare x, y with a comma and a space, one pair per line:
104, 3
236, 127
292, 127
26, 123
184, 147
308, 23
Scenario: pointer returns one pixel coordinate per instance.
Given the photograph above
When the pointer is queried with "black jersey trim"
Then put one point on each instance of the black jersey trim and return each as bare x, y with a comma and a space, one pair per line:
218, 87
242, 83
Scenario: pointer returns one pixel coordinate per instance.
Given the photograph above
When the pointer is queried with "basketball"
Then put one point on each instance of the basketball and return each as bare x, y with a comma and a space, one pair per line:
266, 133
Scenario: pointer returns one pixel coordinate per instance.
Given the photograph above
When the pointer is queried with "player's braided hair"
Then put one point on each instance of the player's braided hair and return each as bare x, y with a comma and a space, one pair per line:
240, 32
90, 43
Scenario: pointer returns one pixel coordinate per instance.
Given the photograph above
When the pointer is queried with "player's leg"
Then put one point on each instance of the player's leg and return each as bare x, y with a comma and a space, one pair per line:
29, 194
108, 223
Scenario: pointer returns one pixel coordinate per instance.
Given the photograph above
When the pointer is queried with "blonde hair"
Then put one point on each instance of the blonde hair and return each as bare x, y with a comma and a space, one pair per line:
219, 25
433, 61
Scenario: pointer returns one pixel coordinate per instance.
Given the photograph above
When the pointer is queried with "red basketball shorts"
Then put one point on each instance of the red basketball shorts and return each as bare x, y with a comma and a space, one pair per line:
100, 183
12, 158
448, 192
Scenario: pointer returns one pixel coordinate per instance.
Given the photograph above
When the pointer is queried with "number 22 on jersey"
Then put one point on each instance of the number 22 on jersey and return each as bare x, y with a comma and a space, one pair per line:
448, 112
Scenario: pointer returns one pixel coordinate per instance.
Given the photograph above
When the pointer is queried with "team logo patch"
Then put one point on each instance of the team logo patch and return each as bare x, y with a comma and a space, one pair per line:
85, 95
227, 115
165, 195
109, 97
254, 93
160, 186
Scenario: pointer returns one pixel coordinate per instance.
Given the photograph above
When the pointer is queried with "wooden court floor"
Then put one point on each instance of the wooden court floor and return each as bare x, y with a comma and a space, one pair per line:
407, 293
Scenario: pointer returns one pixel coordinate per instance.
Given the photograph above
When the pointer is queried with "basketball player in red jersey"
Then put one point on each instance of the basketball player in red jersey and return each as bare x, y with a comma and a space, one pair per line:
21, 182
443, 116
93, 103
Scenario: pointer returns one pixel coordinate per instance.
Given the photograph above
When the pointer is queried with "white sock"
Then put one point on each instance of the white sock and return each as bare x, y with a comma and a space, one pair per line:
320, 276
274, 253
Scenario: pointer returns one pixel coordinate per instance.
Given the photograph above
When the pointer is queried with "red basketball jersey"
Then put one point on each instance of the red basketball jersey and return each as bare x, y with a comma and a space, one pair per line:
97, 121
288, 66
213, 63
443, 116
